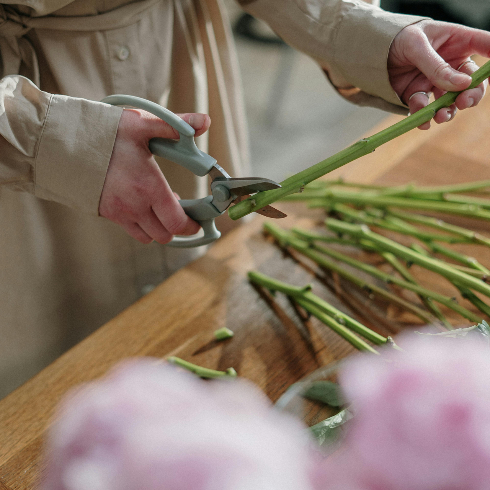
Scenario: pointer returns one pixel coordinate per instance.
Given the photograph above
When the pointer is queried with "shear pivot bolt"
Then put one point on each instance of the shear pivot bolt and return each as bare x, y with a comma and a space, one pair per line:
221, 193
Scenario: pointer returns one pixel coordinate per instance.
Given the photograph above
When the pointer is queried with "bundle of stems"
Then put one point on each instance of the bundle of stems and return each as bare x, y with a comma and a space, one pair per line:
468, 206
297, 182
354, 223
350, 329
352, 226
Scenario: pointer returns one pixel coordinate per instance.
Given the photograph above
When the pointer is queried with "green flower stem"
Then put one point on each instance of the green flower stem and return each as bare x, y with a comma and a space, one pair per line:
286, 239
441, 225
297, 182
419, 249
476, 201
474, 299
223, 333
311, 298
202, 371
360, 199
345, 333
472, 272
452, 188
405, 273
309, 236
393, 261
465, 292
459, 257
398, 226
406, 253
371, 247
445, 300
407, 189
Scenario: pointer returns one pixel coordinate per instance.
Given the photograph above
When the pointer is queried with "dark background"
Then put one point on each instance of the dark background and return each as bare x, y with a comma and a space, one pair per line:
444, 10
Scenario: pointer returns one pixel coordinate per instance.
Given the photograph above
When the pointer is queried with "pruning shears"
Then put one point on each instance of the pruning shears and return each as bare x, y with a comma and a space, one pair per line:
225, 190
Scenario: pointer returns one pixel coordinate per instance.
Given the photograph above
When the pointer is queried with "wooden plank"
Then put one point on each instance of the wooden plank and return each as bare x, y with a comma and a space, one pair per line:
271, 346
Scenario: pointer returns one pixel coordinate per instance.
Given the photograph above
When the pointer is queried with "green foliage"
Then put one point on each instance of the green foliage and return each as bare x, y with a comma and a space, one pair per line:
325, 392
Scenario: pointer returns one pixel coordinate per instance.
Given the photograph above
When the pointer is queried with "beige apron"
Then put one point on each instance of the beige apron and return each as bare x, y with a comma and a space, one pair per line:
64, 273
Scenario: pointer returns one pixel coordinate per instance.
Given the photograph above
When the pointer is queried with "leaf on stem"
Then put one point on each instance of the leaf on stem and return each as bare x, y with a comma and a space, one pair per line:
326, 392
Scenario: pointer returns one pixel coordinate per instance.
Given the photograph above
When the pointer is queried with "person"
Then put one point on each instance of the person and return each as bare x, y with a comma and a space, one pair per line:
85, 208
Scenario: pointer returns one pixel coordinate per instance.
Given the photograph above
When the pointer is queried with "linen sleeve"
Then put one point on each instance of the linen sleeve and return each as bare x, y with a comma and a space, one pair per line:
349, 39
53, 146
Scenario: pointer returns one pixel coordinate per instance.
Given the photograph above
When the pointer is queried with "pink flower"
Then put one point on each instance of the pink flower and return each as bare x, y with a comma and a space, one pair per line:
422, 420
150, 426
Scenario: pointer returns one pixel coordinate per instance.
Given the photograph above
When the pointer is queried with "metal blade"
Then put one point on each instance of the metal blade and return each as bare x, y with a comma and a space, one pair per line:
268, 210
246, 185
271, 212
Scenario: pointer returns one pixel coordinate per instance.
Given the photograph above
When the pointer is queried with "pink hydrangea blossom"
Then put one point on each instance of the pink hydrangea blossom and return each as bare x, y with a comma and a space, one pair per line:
422, 422
422, 419
150, 426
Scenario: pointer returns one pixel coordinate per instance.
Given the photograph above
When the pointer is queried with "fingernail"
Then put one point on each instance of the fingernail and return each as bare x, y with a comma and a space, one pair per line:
197, 120
471, 101
458, 78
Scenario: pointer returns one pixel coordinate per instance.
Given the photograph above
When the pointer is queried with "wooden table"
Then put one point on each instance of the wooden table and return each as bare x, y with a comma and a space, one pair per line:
271, 346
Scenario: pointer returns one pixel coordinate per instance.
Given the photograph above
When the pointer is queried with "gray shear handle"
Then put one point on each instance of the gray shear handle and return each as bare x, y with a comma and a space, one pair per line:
202, 211
184, 152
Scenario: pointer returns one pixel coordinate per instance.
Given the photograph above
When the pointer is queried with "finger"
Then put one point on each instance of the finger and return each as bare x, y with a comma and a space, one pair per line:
445, 115
171, 214
417, 101
134, 230
200, 122
470, 98
424, 126
440, 73
153, 227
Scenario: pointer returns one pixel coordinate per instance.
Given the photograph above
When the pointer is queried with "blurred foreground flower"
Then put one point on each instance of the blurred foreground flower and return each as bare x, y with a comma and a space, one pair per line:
421, 422
150, 426
422, 419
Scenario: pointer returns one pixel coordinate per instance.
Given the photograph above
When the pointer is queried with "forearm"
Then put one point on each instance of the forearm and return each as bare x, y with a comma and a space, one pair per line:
54, 146
349, 39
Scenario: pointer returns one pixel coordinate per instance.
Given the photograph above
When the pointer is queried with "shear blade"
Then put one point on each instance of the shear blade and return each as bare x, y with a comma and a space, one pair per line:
271, 212
268, 210
247, 185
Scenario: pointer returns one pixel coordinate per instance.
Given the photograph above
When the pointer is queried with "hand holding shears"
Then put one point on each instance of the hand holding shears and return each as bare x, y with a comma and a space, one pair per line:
224, 189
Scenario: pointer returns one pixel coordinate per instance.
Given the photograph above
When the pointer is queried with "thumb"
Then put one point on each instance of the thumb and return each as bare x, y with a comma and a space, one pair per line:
440, 73
200, 122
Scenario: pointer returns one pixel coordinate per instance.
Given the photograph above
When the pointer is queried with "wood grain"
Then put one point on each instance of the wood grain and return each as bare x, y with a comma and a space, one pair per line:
271, 346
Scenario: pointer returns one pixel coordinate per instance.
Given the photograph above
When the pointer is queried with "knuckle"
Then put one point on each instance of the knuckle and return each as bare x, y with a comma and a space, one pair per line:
144, 240
114, 209
443, 71
176, 226
163, 237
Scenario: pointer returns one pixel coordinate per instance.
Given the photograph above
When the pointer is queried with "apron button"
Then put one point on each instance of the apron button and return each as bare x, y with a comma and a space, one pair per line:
123, 53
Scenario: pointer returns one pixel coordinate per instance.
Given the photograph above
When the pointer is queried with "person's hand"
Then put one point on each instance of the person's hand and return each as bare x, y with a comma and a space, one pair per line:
432, 56
135, 193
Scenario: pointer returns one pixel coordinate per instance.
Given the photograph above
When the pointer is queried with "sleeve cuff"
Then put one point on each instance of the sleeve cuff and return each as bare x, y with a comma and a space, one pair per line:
349, 39
74, 152
361, 46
